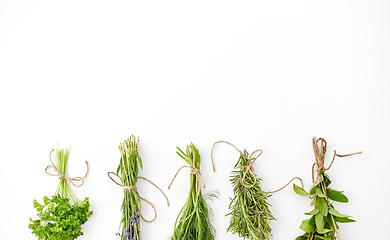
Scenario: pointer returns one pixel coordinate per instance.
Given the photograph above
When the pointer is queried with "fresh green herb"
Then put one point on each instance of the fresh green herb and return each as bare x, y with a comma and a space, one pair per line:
61, 216
194, 219
323, 220
129, 227
250, 215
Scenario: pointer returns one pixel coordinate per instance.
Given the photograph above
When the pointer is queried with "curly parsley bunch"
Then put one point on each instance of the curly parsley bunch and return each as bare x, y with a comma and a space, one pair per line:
61, 216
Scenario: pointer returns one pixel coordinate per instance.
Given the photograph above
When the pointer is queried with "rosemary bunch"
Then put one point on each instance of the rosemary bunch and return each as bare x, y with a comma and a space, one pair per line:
129, 228
194, 219
250, 215
61, 216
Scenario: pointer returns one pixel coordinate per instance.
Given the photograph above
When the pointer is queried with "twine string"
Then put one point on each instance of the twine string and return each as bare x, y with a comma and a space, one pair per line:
212, 161
135, 188
319, 154
63, 176
194, 170
286, 185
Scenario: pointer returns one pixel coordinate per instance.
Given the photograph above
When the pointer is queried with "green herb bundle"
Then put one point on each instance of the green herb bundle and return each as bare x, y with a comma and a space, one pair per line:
324, 218
194, 219
250, 215
127, 171
129, 228
61, 216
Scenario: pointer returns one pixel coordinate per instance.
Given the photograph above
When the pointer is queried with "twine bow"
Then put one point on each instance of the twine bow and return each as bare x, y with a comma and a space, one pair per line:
319, 154
249, 167
63, 176
194, 170
135, 188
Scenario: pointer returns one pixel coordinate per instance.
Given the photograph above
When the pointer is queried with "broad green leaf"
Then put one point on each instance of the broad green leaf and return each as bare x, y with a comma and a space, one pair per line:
320, 180
314, 212
343, 219
301, 238
327, 179
312, 221
299, 190
314, 188
320, 221
336, 195
312, 202
324, 238
335, 213
306, 226
320, 193
322, 205
325, 231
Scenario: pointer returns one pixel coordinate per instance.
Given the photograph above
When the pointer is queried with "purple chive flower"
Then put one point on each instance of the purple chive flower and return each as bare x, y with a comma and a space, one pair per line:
118, 234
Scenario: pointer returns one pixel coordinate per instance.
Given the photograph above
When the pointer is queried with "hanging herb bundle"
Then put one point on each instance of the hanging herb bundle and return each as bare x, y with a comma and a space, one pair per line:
250, 215
61, 216
194, 219
127, 172
324, 218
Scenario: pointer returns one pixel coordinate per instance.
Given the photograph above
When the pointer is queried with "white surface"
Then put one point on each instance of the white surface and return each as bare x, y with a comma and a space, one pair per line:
268, 75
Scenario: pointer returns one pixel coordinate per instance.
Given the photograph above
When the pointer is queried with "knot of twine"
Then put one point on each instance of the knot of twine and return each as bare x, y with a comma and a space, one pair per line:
249, 167
194, 170
135, 188
319, 154
63, 176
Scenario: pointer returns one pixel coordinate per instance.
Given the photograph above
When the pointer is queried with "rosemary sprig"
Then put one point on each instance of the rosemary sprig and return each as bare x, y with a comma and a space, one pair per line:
129, 228
250, 215
194, 219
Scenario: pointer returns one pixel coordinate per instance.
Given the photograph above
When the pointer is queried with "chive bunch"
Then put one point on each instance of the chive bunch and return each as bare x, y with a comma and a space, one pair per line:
129, 228
250, 214
194, 219
61, 216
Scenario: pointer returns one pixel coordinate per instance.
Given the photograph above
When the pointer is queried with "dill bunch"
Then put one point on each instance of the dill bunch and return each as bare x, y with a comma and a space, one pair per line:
194, 219
250, 214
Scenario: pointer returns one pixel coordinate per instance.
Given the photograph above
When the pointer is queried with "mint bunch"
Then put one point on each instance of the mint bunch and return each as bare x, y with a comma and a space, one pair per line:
323, 223
324, 218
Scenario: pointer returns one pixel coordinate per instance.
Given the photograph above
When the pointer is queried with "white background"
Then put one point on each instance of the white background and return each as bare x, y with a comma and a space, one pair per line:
259, 74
